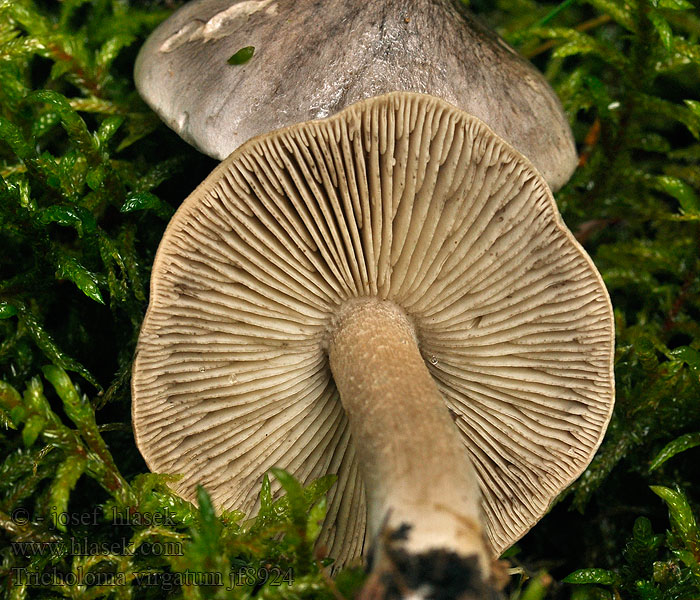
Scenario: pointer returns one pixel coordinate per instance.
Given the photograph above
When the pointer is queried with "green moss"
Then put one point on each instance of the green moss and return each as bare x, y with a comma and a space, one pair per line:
88, 180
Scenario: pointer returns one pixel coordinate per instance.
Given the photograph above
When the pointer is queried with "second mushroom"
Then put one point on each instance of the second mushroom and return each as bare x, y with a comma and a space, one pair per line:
388, 294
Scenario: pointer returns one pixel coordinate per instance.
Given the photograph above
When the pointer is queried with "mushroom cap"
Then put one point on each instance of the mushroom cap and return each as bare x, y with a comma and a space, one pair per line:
313, 59
401, 197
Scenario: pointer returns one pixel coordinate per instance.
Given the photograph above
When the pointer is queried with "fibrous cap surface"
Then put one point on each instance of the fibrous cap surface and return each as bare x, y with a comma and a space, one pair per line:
314, 58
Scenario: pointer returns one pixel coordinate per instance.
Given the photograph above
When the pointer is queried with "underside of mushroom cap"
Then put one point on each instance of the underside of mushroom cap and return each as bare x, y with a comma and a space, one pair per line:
314, 58
405, 198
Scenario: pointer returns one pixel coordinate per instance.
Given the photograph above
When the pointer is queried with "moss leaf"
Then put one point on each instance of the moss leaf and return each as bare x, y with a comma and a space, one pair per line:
680, 444
682, 518
584, 576
70, 268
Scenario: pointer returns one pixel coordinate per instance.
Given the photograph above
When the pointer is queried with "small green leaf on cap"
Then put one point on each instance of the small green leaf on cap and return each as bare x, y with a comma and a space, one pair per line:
242, 56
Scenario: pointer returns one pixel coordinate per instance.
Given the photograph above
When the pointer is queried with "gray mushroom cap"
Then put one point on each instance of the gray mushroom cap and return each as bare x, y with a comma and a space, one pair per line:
409, 200
314, 58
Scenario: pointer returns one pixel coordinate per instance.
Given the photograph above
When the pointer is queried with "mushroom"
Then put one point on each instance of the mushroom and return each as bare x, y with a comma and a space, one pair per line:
312, 59
388, 294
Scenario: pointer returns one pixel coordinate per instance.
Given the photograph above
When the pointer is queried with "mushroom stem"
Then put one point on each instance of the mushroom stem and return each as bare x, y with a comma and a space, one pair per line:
422, 490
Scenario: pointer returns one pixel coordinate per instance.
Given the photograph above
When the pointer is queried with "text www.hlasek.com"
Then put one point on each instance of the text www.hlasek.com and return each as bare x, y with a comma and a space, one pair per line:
84, 547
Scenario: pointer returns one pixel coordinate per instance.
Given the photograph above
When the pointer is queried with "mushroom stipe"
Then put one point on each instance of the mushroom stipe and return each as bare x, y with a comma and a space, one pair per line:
388, 294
